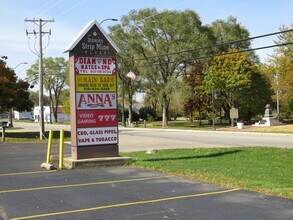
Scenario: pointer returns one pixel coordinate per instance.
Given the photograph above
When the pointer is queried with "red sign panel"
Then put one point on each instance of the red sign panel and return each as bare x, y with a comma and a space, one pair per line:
96, 118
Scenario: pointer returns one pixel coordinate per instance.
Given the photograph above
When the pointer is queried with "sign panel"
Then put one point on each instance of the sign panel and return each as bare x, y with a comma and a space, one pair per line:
95, 83
94, 136
96, 118
95, 65
93, 93
233, 113
96, 101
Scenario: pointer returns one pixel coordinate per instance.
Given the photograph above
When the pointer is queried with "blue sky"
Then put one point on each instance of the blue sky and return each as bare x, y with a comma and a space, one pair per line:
259, 17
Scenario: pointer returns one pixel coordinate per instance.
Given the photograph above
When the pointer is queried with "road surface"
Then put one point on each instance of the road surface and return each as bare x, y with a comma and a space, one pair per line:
136, 139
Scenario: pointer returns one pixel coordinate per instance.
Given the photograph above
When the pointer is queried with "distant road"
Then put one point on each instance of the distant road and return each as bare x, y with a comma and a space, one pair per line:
34, 126
143, 139
136, 139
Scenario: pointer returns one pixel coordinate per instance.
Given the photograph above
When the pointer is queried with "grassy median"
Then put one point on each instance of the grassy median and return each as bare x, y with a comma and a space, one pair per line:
24, 137
265, 170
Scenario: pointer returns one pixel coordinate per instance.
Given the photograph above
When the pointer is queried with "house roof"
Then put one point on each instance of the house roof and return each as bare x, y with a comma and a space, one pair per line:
84, 31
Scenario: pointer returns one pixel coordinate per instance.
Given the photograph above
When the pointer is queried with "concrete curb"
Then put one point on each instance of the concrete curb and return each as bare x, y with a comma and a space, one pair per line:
70, 163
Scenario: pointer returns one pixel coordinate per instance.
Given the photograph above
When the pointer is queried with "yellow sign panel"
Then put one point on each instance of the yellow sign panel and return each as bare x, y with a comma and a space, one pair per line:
95, 83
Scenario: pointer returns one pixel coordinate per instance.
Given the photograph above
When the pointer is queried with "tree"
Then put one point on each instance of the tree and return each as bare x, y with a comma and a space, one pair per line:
147, 34
195, 94
252, 100
128, 86
231, 76
14, 92
282, 69
147, 113
227, 31
55, 79
34, 97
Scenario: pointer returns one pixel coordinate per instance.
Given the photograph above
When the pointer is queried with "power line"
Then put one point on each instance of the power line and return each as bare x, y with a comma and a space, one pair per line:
208, 47
215, 55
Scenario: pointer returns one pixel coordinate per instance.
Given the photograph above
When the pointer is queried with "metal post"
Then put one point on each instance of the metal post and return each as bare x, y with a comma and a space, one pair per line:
213, 109
278, 104
61, 149
49, 146
122, 111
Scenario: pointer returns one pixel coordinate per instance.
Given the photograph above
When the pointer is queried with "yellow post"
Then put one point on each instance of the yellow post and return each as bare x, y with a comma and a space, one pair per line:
61, 149
49, 146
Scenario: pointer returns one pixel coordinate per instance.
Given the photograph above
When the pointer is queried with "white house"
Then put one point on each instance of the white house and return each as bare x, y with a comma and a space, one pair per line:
24, 115
61, 117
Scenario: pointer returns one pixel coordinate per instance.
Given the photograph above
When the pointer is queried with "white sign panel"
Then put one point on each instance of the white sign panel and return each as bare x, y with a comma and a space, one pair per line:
95, 65
86, 101
97, 136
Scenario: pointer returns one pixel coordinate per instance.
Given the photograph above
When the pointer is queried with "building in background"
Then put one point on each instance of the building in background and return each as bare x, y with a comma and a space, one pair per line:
48, 115
26, 115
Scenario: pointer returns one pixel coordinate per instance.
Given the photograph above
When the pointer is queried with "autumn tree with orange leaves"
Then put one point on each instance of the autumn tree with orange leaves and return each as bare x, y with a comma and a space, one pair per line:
14, 92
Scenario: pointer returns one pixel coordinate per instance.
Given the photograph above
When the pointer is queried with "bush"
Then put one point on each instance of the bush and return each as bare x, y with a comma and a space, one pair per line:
147, 113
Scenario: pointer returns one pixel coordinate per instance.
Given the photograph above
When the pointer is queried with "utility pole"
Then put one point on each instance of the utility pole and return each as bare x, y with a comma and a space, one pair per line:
278, 103
40, 23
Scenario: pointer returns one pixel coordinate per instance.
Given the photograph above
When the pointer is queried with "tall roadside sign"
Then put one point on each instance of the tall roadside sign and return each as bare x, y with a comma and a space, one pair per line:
93, 94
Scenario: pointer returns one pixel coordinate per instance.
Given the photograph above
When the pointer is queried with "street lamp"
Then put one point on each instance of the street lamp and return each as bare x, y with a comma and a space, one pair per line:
278, 103
108, 19
19, 64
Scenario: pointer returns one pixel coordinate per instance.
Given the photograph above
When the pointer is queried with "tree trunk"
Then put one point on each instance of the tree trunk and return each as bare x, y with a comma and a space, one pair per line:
190, 115
130, 115
164, 114
56, 106
200, 115
55, 114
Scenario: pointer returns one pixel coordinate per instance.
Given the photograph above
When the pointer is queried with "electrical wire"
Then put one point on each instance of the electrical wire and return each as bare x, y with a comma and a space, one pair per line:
49, 8
208, 47
215, 55
69, 9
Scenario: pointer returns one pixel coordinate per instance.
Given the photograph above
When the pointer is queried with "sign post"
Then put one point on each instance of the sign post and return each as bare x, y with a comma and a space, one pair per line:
93, 94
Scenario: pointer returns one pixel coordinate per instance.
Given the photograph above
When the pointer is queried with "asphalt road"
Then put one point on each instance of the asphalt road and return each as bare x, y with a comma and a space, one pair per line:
143, 139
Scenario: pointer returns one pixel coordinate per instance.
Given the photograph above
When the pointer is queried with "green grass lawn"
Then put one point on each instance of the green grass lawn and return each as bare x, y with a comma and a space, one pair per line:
266, 170
19, 137
205, 125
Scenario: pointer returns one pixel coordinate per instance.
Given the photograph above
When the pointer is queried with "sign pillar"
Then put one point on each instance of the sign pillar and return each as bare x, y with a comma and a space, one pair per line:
93, 94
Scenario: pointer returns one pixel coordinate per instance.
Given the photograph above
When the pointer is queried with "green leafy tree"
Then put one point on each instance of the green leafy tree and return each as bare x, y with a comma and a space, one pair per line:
252, 100
227, 31
56, 78
34, 96
230, 75
14, 92
281, 65
65, 101
147, 113
147, 34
